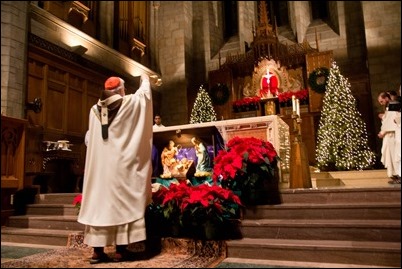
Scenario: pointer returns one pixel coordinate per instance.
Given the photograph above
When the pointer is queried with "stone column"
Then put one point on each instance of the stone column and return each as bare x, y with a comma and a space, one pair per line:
14, 32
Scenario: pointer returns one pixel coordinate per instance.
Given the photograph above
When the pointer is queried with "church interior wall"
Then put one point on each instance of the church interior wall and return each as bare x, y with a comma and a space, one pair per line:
187, 43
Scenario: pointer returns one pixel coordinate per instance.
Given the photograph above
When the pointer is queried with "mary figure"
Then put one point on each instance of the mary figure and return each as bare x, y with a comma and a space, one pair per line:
203, 159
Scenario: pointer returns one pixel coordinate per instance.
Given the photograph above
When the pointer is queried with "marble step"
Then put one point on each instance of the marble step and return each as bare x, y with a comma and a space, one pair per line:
36, 236
323, 229
314, 195
67, 222
366, 174
363, 211
342, 195
55, 198
323, 251
51, 209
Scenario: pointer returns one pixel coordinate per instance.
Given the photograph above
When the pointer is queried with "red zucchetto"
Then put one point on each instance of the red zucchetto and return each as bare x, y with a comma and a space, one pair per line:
113, 83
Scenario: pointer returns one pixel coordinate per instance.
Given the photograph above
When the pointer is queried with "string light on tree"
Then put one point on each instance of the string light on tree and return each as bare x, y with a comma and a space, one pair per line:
342, 140
203, 110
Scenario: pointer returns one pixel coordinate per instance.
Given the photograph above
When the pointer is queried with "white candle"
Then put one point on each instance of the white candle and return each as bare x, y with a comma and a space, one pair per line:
293, 103
297, 107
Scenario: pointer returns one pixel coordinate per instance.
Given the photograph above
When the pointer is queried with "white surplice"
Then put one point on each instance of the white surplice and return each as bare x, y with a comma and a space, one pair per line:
389, 127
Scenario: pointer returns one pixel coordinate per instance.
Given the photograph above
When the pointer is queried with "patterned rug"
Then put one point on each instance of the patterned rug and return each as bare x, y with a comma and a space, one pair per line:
173, 253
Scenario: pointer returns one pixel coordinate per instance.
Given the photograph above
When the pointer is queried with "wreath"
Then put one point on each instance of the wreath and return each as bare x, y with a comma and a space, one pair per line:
219, 94
318, 79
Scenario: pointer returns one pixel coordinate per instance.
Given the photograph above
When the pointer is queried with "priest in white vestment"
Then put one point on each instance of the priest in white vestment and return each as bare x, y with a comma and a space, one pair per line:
117, 178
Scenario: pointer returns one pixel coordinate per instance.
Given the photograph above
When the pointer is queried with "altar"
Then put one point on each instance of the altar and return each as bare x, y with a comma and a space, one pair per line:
216, 134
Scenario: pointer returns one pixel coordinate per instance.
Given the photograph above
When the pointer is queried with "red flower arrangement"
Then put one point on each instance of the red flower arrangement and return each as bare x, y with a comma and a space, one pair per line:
77, 202
286, 97
244, 163
302, 95
183, 204
246, 102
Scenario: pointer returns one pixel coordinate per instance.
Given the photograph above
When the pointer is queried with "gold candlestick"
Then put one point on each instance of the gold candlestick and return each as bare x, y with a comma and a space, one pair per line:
299, 167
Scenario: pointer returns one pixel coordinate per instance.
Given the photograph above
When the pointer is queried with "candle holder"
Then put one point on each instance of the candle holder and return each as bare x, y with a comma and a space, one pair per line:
299, 176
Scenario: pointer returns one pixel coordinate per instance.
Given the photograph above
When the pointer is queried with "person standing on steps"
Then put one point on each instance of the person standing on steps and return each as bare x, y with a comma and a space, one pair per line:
387, 134
117, 178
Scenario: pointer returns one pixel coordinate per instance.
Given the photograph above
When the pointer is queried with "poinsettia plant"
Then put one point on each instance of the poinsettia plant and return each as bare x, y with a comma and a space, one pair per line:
186, 204
245, 163
77, 202
246, 102
286, 97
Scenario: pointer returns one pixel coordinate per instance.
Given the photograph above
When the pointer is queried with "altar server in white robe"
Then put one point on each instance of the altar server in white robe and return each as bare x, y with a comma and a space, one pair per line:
117, 178
389, 143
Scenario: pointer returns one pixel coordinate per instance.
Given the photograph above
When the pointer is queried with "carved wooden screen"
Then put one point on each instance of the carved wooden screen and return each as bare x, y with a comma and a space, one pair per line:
12, 152
313, 61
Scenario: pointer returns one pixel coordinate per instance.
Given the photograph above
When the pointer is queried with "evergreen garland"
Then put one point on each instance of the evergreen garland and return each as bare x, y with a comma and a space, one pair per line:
318, 79
219, 94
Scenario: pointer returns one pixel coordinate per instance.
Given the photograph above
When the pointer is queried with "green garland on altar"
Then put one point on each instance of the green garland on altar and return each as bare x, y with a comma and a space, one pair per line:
219, 94
318, 79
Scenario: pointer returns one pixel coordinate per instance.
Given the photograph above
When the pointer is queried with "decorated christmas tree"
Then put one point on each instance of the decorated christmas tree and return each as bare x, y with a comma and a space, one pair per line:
203, 111
342, 140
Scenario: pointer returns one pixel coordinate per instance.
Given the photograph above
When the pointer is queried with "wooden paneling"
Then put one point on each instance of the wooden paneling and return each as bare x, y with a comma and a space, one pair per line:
33, 149
35, 90
12, 152
223, 76
67, 91
55, 102
314, 61
75, 105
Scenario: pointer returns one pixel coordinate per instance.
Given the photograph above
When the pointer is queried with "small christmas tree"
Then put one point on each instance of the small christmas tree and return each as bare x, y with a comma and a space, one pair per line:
203, 111
342, 140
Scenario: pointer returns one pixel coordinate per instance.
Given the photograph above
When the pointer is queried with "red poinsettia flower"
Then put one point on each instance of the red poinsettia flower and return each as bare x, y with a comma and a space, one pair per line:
284, 97
244, 158
196, 203
247, 101
77, 200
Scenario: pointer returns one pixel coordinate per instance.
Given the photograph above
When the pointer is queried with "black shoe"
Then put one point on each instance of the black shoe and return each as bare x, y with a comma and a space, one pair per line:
99, 258
395, 180
123, 256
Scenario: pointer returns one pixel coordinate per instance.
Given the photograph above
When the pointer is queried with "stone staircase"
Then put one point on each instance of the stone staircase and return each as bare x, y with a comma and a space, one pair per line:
343, 226
335, 226
47, 222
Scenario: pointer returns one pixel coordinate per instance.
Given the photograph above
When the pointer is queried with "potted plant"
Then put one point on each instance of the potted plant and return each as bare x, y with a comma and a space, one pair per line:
246, 104
285, 98
192, 210
247, 166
